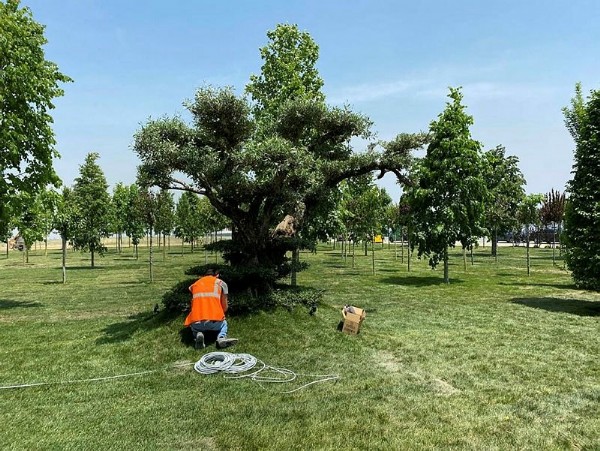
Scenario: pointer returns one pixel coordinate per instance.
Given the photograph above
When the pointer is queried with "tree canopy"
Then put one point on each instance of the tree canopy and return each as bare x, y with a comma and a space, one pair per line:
582, 213
93, 207
28, 85
505, 183
448, 202
257, 169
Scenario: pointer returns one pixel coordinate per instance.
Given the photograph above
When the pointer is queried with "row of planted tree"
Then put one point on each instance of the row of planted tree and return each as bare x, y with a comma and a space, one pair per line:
283, 167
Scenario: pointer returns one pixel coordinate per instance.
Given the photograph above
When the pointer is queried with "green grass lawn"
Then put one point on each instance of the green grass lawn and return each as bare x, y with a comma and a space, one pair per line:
495, 360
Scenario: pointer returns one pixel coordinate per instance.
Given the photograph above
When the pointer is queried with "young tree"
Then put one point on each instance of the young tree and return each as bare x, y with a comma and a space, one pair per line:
552, 212
147, 204
65, 223
582, 215
187, 214
28, 85
29, 221
505, 183
256, 168
529, 217
165, 216
92, 201
48, 204
448, 202
134, 225
363, 208
288, 72
120, 206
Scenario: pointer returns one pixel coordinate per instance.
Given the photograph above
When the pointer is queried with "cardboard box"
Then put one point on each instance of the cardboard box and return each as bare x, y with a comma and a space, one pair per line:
353, 321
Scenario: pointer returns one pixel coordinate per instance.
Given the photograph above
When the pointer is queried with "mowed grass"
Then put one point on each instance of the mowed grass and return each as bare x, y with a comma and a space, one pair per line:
495, 360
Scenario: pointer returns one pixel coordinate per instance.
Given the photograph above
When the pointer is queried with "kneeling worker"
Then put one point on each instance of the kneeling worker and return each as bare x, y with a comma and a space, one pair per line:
209, 304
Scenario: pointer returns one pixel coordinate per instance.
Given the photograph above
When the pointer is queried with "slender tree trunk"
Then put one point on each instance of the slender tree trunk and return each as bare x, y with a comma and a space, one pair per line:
408, 249
151, 262
92, 251
64, 260
472, 260
446, 275
495, 244
295, 260
164, 246
402, 245
373, 253
553, 244
464, 259
7, 242
353, 258
527, 246
137, 255
46, 247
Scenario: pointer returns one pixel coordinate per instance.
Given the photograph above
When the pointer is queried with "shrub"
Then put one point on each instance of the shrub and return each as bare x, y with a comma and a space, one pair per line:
177, 300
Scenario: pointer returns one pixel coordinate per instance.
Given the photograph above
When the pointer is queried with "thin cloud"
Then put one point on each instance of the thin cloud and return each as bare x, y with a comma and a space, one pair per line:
367, 92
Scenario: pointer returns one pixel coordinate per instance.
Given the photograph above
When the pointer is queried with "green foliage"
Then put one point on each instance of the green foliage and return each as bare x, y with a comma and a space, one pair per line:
505, 185
120, 207
93, 207
187, 224
288, 71
210, 220
244, 297
30, 222
28, 85
165, 217
528, 213
448, 201
364, 207
582, 216
283, 156
66, 216
134, 225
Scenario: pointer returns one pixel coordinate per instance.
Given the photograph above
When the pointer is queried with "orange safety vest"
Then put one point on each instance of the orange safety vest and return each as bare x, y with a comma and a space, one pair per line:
206, 301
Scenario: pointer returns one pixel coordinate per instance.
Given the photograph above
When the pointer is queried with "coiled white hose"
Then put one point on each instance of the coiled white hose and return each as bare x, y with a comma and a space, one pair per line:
226, 362
213, 362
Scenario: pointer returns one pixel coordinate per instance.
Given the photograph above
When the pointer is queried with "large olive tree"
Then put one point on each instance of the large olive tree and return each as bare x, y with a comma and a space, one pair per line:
263, 162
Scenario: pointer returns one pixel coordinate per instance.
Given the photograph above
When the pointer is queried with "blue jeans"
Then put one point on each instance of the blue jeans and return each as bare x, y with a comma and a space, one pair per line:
215, 326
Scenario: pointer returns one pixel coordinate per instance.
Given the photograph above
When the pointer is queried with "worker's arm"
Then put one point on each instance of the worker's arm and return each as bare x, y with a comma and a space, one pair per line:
224, 302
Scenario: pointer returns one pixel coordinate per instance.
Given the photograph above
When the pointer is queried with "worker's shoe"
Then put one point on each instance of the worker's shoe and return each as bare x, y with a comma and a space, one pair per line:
226, 342
199, 341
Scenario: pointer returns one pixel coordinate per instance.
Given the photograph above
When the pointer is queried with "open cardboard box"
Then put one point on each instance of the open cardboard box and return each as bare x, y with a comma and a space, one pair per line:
353, 321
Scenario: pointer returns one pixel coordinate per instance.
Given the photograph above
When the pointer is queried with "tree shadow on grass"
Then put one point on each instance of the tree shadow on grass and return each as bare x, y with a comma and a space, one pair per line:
6, 304
573, 306
415, 281
124, 330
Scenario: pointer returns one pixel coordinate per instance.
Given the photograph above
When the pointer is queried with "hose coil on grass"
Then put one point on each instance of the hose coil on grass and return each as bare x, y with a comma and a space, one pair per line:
236, 364
213, 362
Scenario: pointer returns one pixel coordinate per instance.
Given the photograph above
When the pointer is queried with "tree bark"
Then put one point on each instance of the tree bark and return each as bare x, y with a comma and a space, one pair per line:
446, 275
151, 262
64, 260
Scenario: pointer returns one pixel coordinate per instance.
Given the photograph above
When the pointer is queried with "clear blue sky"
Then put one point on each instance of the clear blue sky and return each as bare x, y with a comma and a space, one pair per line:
517, 61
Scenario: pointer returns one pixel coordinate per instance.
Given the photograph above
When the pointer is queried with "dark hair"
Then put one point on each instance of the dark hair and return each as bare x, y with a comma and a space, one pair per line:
211, 272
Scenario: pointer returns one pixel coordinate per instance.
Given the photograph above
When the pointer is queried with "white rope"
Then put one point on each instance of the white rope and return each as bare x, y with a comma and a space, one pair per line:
214, 362
229, 363
94, 379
